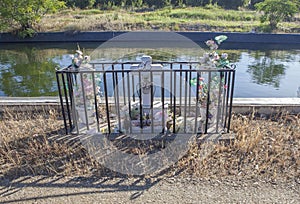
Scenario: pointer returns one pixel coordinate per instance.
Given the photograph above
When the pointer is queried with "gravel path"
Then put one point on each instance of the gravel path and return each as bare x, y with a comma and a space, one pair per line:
140, 190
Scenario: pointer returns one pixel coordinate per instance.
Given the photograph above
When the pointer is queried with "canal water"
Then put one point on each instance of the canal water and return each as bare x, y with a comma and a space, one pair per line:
29, 69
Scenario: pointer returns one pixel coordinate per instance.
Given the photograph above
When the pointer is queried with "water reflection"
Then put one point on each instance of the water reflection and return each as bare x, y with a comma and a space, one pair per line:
30, 70
266, 69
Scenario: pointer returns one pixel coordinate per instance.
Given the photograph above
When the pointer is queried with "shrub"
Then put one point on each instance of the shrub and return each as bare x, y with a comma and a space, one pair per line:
275, 11
23, 15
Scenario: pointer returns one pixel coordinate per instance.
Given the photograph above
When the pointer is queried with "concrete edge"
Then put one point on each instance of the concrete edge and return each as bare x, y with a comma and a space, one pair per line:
266, 105
240, 105
266, 101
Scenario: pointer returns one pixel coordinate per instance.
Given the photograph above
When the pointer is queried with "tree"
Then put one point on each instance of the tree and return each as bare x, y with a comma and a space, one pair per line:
275, 11
22, 15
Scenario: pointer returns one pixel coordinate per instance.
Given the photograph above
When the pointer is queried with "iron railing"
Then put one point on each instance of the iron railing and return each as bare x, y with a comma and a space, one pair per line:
174, 97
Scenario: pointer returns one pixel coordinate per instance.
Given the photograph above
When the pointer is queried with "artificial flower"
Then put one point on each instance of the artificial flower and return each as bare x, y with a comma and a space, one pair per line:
214, 59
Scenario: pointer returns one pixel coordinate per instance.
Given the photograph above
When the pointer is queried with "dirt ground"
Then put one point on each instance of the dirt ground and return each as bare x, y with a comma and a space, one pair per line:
145, 190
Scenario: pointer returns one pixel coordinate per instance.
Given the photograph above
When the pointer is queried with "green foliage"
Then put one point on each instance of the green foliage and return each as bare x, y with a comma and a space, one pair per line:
109, 4
29, 32
104, 4
137, 3
251, 3
297, 2
157, 4
212, 13
178, 3
275, 11
151, 3
198, 2
23, 15
264, 28
80, 3
90, 12
229, 4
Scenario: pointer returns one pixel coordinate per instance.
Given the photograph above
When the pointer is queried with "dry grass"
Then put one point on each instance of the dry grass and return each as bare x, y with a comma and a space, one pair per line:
30, 146
33, 144
267, 149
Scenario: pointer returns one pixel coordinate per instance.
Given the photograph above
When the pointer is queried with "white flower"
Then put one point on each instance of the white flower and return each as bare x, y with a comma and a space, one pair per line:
78, 59
224, 56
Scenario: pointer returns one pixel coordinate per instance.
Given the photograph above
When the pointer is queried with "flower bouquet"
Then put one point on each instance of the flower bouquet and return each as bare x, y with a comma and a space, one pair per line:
210, 87
78, 59
85, 98
213, 58
86, 88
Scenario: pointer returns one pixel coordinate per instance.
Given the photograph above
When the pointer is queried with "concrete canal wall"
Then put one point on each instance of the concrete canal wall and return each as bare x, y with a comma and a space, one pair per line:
235, 40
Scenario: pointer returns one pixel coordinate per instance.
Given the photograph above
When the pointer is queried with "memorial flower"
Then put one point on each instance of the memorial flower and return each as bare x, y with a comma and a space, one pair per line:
209, 88
213, 58
79, 59
84, 90
85, 87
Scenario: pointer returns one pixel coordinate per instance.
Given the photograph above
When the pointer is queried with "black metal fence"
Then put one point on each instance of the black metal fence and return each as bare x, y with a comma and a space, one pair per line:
171, 97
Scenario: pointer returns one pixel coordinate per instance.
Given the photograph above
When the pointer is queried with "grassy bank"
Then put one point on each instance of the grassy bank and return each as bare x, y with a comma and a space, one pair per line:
264, 149
176, 19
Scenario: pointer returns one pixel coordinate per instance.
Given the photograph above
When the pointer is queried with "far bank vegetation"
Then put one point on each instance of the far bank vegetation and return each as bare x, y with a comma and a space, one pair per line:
132, 15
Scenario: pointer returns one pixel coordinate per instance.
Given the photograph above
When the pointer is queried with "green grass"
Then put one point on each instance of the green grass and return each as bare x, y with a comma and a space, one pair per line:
177, 19
90, 12
213, 14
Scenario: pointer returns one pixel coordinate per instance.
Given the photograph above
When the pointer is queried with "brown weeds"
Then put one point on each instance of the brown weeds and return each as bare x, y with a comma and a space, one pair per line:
262, 148
34, 144
30, 145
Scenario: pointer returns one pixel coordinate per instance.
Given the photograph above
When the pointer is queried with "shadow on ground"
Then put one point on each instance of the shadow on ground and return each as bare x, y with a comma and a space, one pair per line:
44, 161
